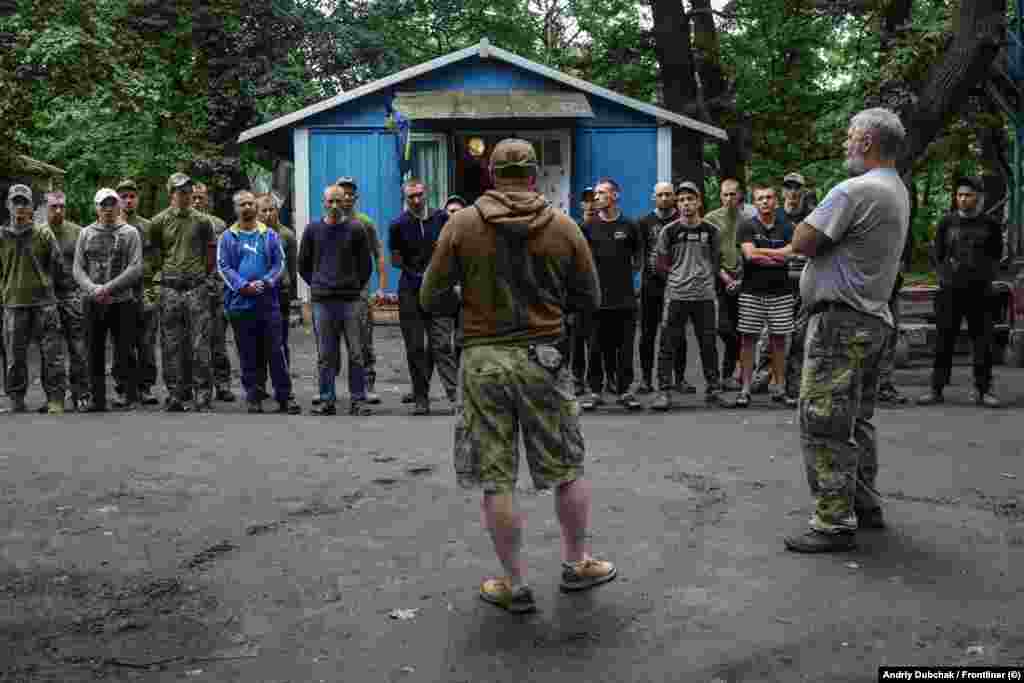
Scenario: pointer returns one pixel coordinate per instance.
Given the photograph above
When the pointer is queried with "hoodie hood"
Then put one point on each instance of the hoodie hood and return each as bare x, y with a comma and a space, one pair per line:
18, 231
521, 212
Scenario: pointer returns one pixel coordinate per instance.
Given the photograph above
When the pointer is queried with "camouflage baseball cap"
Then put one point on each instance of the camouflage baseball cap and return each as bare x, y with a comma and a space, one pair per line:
513, 152
178, 181
127, 185
23, 191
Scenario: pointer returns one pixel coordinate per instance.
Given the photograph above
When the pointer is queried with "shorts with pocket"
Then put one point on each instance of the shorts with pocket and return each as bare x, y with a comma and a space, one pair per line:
505, 391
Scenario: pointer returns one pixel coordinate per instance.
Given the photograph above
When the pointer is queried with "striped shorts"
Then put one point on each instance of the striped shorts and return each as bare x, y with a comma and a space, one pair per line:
773, 310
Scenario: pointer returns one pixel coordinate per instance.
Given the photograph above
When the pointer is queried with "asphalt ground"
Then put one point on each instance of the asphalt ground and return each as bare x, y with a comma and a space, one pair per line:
233, 547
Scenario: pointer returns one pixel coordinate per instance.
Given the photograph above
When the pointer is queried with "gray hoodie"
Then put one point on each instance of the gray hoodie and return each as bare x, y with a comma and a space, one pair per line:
109, 256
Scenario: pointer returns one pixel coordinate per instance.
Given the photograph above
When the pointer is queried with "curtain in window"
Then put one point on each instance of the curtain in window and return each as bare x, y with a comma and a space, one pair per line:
429, 164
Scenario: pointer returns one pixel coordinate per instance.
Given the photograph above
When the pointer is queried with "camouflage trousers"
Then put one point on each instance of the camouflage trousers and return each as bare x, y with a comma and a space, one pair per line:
219, 359
185, 340
505, 391
366, 339
76, 339
837, 403
40, 324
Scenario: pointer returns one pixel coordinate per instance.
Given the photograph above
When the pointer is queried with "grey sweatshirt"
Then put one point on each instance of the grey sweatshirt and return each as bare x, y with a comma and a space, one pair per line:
109, 256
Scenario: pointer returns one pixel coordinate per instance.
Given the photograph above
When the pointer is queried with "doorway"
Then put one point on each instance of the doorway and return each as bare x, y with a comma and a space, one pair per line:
473, 152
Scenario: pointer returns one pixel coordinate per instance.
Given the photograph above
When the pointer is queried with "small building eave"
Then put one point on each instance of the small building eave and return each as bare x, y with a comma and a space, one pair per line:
484, 50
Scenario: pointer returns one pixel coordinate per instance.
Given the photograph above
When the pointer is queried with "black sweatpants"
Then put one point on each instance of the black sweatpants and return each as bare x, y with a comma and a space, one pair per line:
652, 309
702, 315
119, 321
952, 305
728, 318
611, 350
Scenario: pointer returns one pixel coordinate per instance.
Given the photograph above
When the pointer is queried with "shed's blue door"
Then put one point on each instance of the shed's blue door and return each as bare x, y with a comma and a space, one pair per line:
369, 156
629, 155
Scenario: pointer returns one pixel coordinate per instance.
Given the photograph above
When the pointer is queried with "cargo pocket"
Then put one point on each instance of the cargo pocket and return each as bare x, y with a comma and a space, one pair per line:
832, 367
569, 420
465, 454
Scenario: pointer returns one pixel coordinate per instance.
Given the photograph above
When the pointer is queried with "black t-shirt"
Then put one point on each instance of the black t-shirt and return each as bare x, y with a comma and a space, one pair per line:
765, 279
615, 245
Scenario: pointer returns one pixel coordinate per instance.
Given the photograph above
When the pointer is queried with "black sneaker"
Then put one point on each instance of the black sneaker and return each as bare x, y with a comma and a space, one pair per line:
408, 398
147, 398
421, 408
173, 405
360, 409
121, 401
871, 519
225, 394
644, 388
889, 394
684, 387
325, 408
291, 407
254, 407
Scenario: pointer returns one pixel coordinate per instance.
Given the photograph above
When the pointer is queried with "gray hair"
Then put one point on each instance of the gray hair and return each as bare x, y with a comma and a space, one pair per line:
886, 130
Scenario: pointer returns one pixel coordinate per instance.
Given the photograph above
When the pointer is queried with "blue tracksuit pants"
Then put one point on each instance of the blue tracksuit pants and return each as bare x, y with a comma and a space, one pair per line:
260, 344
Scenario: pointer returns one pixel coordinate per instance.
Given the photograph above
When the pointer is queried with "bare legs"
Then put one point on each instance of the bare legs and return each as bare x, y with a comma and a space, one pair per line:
505, 523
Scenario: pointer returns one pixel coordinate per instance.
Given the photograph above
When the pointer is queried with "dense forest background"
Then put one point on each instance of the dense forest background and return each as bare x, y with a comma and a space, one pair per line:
109, 88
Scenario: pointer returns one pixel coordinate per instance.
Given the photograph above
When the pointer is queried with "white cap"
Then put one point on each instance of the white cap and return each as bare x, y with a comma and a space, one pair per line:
106, 193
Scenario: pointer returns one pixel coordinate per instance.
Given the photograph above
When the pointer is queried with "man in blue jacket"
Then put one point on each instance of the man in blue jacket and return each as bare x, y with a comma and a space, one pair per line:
250, 258
334, 260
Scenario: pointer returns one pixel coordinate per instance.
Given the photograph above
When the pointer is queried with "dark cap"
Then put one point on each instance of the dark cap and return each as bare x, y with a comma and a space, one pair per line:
793, 179
178, 181
126, 185
588, 191
23, 191
687, 186
513, 152
347, 181
973, 182
455, 198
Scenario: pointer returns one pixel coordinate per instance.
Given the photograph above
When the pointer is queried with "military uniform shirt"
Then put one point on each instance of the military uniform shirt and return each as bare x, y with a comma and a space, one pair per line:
183, 238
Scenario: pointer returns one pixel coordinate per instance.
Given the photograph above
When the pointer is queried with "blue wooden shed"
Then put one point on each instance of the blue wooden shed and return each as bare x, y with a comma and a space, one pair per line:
439, 120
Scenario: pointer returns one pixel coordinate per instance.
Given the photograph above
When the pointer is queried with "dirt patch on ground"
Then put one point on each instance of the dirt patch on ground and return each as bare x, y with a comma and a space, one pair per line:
76, 626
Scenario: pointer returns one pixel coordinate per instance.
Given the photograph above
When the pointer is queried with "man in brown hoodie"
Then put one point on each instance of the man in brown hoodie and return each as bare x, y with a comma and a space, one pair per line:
522, 266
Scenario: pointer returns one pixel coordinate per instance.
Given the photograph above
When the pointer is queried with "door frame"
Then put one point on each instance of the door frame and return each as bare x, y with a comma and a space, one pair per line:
565, 134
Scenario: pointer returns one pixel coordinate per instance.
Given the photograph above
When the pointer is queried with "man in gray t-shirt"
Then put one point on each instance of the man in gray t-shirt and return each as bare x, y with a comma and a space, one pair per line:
690, 256
854, 240
867, 218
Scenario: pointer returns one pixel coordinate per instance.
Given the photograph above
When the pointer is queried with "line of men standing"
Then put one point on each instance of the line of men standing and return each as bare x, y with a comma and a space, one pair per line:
123, 277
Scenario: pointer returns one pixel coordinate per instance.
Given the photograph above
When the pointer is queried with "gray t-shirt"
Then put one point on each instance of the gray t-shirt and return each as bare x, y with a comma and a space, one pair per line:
867, 218
694, 258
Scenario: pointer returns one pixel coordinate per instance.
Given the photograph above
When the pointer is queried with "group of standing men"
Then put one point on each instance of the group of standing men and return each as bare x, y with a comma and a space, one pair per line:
125, 278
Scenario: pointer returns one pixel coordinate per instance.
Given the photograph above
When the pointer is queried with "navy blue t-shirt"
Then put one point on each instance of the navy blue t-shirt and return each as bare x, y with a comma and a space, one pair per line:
615, 246
764, 279
414, 238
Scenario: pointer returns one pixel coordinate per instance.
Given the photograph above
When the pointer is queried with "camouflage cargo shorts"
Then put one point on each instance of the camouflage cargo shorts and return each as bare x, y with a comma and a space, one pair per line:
506, 390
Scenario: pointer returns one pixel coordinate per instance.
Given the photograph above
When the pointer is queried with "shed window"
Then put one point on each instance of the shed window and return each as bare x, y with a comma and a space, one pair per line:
429, 157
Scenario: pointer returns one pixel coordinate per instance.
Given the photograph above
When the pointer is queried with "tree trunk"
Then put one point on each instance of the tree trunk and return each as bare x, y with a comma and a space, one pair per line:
980, 29
717, 98
679, 84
